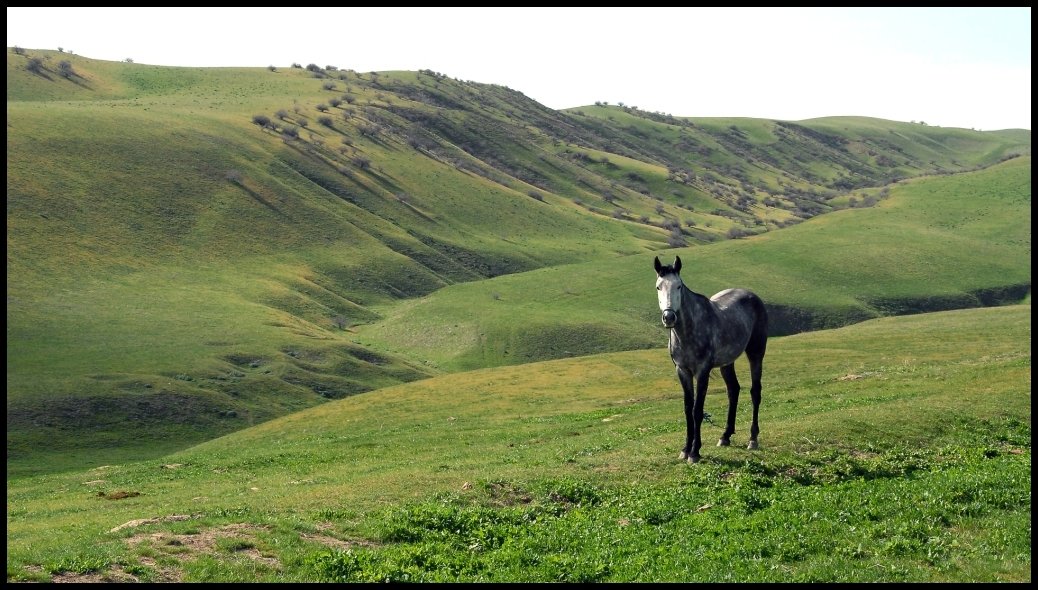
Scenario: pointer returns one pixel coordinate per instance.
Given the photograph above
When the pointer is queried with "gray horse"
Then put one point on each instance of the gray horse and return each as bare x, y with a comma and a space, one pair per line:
707, 333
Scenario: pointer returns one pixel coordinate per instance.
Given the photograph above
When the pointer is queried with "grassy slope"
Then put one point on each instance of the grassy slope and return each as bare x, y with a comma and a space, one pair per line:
954, 241
886, 430
172, 265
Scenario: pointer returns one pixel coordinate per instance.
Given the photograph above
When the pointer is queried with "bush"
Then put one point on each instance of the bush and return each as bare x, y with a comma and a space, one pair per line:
322, 107
272, 68
35, 65
325, 120
676, 239
261, 120
65, 68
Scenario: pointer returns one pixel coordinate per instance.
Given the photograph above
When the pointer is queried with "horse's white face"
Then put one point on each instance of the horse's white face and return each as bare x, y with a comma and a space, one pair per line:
668, 290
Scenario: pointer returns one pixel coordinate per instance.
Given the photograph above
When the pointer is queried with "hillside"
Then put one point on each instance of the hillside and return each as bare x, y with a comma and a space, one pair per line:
935, 243
896, 449
195, 250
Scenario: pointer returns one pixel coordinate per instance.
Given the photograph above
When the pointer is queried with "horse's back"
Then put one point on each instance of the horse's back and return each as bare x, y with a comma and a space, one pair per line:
737, 297
744, 307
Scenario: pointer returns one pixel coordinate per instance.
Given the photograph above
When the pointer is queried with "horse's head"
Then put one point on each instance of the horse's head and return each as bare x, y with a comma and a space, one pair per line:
668, 290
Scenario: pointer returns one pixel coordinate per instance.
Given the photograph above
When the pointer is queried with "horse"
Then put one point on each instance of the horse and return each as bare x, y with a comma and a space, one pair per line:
708, 333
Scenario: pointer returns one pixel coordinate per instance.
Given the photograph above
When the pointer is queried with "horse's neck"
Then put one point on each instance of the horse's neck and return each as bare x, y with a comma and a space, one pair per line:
695, 309
697, 305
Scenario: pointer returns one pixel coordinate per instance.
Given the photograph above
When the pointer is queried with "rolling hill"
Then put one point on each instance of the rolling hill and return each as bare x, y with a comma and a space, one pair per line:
192, 251
896, 449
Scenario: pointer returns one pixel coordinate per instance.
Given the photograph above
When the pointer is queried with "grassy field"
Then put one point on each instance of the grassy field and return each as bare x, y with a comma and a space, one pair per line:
173, 263
897, 449
196, 298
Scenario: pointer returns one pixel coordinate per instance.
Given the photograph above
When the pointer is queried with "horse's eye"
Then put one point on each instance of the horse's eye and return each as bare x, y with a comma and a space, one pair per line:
659, 287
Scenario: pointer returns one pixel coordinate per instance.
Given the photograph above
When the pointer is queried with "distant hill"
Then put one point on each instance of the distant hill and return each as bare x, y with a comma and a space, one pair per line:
195, 250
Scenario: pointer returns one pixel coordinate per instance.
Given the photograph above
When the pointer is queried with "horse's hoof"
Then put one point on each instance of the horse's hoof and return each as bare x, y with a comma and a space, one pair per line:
753, 445
724, 442
693, 460
683, 455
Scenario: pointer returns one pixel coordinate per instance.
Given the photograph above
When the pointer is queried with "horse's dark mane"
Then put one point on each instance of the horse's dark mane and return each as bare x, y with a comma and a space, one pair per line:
685, 288
667, 269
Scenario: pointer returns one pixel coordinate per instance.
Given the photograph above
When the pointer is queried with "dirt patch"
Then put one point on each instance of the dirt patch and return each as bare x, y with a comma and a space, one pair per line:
157, 519
186, 547
504, 494
857, 376
115, 575
335, 543
118, 495
238, 539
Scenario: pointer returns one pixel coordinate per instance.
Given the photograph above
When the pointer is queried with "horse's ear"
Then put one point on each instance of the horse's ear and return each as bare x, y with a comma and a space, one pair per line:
677, 264
657, 264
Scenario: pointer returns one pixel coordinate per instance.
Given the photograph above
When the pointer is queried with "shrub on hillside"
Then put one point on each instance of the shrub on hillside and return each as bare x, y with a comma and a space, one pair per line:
261, 120
35, 65
676, 239
65, 69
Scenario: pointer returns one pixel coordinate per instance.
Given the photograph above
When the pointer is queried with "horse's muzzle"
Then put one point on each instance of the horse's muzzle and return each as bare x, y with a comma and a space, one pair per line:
669, 318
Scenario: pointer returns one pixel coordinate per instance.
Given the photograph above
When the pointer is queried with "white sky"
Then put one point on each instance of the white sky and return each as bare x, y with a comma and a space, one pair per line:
953, 67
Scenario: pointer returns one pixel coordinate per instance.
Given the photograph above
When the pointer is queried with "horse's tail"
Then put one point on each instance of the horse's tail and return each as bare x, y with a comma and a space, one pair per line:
759, 337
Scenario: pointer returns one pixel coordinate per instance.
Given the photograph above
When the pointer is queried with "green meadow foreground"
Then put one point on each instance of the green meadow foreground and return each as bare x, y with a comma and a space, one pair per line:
897, 449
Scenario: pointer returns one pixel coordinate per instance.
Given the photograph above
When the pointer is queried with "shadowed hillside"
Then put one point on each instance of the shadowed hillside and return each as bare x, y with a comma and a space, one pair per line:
192, 250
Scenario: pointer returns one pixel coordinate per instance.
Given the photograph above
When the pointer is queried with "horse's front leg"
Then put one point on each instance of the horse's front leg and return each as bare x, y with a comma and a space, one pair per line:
685, 378
702, 381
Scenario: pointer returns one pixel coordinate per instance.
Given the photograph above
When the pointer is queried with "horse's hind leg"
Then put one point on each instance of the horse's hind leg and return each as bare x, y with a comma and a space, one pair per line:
732, 383
756, 368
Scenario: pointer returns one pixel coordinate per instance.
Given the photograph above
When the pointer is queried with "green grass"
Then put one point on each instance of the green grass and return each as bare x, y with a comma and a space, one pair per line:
897, 449
173, 265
